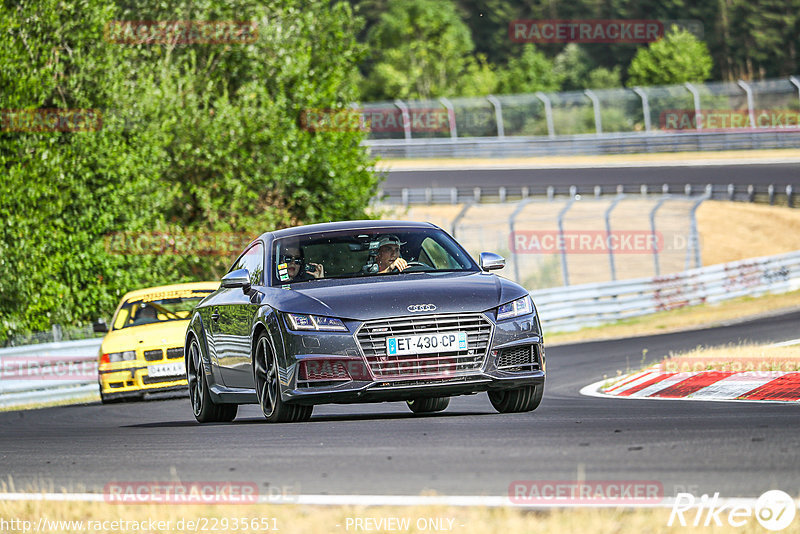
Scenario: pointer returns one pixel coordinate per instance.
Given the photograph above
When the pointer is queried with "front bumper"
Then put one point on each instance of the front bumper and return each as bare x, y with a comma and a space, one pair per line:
497, 370
401, 390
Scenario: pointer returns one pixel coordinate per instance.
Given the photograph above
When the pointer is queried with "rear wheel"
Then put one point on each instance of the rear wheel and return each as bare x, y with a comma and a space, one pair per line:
428, 405
265, 370
524, 399
203, 407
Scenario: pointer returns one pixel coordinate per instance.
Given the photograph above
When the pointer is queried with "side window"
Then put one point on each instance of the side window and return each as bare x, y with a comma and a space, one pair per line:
253, 261
438, 256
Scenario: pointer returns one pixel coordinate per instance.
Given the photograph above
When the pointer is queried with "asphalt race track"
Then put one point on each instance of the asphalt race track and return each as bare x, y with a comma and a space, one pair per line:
738, 449
737, 174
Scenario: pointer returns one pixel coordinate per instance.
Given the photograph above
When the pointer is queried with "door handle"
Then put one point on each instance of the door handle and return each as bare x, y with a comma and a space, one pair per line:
215, 316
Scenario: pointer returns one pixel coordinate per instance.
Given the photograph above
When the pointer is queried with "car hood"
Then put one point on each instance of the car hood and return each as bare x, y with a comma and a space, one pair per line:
390, 296
167, 334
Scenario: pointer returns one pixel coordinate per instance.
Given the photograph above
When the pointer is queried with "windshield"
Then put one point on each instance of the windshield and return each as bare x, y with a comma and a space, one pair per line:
157, 309
356, 253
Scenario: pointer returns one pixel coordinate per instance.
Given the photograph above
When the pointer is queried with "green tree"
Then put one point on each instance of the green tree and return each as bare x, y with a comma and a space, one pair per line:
194, 138
572, 67
676, 58
529, 72
422, 49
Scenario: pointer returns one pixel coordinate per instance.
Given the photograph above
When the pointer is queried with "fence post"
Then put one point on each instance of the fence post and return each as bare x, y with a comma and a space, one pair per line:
751, 193
749, 92
607, 217
451, 116
694, 236
598, 191
522, 203
453, 195
789, 200
551, 192
56, 332
696, 96
476, 194
731, 192
771, 194
404, 196
406, 118
598, 120
796, 82
645, 107
653, 232
561, 214
498, 115
548, 113
461, 214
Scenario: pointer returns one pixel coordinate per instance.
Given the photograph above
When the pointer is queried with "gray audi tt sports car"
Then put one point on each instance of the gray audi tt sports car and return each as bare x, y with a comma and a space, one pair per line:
362, 311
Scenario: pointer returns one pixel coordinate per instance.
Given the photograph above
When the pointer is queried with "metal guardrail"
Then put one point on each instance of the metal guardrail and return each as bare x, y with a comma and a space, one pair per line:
771, 194
48, 372
562, 308
585, 144
578, 306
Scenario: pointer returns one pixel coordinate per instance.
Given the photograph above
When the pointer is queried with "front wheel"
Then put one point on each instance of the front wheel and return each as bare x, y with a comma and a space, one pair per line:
428, 405
524, 399
203, 407
268, 392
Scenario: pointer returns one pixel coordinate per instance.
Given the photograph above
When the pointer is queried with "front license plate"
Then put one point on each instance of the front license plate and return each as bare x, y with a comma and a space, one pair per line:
169, 369
426, 344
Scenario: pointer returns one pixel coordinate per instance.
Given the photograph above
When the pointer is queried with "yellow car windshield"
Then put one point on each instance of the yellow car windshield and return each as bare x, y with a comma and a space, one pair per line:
142, 311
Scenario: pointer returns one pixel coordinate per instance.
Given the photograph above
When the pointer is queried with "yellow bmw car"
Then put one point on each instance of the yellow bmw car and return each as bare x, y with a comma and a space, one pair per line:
143, 349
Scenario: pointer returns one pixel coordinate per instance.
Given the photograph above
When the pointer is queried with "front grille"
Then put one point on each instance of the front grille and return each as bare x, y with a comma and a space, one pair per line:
158, 379
153, 355
521, 358
174, 353
372, 340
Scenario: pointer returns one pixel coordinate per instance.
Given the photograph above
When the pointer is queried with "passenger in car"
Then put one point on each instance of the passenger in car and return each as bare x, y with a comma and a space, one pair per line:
297, 268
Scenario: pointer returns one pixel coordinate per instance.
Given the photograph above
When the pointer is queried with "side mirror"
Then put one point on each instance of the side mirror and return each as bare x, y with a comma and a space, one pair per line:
100, 326
491, 262
237, 278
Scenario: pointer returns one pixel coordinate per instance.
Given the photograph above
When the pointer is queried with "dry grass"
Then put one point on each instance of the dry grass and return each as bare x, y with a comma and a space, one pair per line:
688, 318
67, 402
580, 161
736, 358
731, 231
315, 519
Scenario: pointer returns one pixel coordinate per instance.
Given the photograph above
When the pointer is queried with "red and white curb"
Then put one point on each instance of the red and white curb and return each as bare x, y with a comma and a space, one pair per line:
655, 383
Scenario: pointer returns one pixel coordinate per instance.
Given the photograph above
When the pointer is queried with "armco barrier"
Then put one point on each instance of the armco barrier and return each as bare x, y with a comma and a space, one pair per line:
574, 307
561, 308
47, 372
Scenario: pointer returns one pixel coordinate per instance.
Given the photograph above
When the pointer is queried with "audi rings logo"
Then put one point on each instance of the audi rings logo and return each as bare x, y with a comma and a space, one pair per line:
421, 307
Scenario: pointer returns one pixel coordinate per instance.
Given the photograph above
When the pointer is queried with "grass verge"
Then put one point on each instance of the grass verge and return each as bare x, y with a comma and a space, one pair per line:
689, 318
296, 519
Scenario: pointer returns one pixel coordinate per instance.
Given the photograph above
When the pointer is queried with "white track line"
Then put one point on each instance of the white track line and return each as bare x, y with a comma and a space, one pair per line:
386, 500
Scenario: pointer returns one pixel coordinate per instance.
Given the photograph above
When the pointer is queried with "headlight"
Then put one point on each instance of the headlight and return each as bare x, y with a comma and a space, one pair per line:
121, 356
300, 321
522, 306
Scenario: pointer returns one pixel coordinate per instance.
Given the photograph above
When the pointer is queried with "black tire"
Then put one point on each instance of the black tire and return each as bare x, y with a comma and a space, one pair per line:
203, 407
268, 389
524, 399
436, 404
